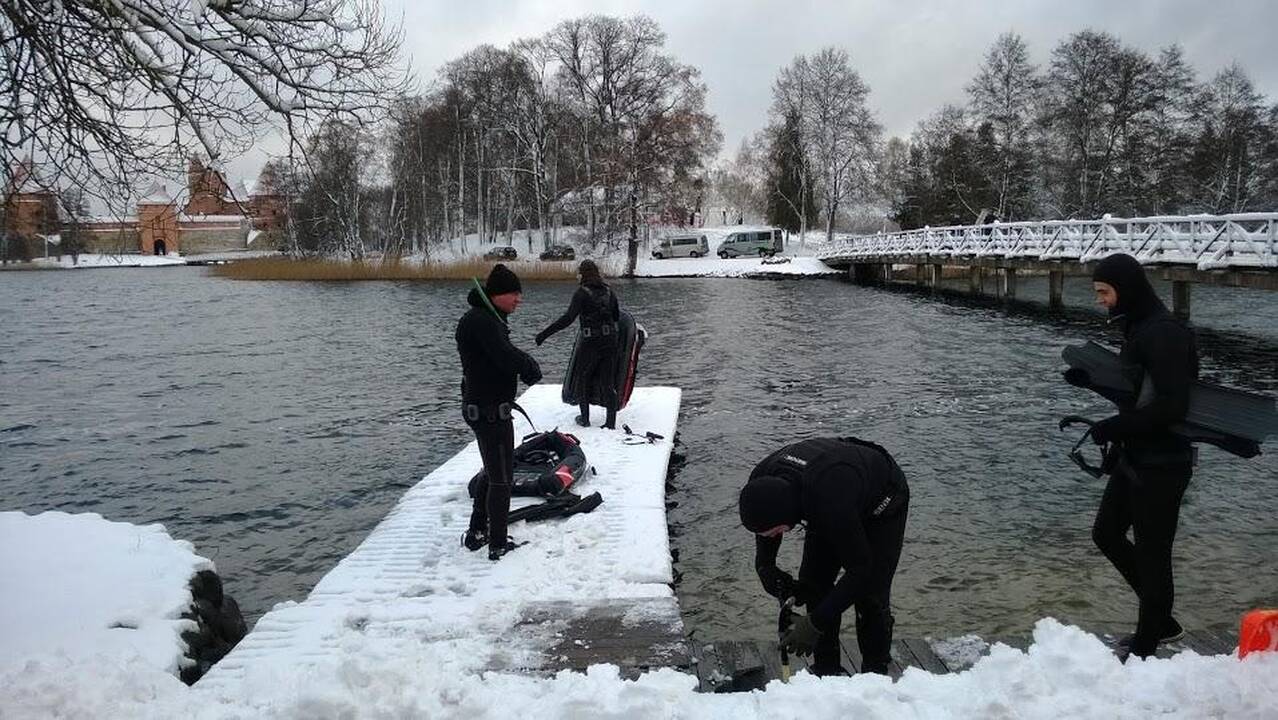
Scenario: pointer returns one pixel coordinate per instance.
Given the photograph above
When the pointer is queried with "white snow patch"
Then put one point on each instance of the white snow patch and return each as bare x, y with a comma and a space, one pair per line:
1065, 674
959, 652
97, 260
732, 267
79, 587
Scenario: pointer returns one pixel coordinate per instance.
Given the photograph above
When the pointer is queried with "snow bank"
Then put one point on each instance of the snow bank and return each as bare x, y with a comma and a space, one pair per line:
96, 260
733, 267
81, 588
1064, 674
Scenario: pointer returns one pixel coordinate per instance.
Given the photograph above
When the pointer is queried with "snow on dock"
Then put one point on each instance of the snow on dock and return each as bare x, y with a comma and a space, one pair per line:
590, 588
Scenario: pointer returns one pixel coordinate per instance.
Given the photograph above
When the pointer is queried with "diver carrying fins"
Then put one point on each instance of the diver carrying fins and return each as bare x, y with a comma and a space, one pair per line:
1148, 445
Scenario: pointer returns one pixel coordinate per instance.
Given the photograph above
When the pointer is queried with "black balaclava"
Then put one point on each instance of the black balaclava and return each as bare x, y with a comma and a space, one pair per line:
768, 501
1136, 297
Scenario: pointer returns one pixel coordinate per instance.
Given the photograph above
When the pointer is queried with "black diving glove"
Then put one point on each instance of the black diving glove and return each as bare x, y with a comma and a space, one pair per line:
1107, 430
531, 374
1078, 377
541, 338
777, 582
801, 638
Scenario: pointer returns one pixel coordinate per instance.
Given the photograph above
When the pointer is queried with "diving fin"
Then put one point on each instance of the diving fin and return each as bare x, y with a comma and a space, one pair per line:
1234, 420
557, 507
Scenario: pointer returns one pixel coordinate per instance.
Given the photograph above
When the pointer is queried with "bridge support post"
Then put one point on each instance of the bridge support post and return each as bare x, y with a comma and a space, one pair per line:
886, 273
920, 275
1056, 289
1180, 299
975, 281
1007, 283
934, 277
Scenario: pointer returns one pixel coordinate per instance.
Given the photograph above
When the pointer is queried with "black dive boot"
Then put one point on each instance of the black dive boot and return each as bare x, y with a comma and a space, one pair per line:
584, 418
611, 422
473, 539
498, 518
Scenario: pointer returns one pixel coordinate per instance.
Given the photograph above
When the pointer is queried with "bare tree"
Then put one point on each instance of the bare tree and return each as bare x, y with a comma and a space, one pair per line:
643, 127
840, 133
1003, 94
105, 91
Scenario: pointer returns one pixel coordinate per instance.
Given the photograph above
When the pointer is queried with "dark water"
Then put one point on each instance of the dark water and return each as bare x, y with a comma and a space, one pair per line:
273, 424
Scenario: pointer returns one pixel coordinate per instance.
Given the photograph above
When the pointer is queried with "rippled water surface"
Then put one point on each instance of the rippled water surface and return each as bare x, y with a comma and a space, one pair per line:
273, 424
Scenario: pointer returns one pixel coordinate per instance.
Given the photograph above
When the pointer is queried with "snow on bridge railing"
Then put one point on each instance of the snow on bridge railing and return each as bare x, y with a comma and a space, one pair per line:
1242, 240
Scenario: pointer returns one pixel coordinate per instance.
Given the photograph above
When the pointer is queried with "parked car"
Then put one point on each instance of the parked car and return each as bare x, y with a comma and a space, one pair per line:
501, 252
762, 242
682, 246
558, 252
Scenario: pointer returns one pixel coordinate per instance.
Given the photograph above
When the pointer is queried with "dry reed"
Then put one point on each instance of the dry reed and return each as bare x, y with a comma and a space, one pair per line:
280, 268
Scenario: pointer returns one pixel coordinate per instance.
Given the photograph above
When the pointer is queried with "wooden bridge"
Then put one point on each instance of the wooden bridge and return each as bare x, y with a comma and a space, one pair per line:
1238, 250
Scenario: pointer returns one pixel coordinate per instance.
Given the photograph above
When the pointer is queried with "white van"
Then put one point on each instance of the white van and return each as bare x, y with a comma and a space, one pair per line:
761, 242
682, 246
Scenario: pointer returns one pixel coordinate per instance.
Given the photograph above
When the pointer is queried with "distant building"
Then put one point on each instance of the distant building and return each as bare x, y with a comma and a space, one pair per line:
205, 216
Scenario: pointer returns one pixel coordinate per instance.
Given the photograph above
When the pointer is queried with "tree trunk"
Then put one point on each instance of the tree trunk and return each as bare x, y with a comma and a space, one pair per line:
632, 247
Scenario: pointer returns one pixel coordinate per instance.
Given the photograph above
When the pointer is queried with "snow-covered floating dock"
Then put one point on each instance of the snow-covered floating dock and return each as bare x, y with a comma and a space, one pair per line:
592, 588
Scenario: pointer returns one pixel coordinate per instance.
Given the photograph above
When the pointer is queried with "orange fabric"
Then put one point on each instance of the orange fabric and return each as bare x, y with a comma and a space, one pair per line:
1258, 633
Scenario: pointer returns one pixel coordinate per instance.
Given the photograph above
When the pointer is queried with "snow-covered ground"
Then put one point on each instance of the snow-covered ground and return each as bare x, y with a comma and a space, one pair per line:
96, 260
798, 258
79, 586
734, 267
1065, 674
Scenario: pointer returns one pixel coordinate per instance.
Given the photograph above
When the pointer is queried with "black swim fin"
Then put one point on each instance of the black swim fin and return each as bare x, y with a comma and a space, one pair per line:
557, 507
1234, 420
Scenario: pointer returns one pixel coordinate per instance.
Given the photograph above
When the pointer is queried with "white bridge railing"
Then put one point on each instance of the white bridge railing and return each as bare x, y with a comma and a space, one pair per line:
1245, 240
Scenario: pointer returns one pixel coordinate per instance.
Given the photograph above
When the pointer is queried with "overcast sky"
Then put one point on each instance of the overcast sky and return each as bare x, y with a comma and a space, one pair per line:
915, 56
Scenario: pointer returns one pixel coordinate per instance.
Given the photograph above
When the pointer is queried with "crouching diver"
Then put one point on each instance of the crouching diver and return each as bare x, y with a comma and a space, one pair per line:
854, 499
491, 368
595, 370
1149, 466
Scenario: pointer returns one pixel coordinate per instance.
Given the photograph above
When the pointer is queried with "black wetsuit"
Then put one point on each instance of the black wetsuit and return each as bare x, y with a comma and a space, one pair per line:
1160, 357
595, 370
854, 499
491, 368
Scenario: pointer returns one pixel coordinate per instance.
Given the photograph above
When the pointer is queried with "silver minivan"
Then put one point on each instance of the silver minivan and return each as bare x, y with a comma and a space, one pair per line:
761, 242
682, 246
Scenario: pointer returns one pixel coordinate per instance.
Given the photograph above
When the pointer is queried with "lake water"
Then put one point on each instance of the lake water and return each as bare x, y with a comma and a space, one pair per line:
274, 424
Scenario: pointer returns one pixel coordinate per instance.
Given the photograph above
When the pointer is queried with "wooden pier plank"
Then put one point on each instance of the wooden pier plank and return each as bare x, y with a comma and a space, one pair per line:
927, 658
632, 634
851, 654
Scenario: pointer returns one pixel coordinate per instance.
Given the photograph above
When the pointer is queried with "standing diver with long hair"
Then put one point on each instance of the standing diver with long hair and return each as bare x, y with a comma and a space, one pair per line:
595, 370
1151, 466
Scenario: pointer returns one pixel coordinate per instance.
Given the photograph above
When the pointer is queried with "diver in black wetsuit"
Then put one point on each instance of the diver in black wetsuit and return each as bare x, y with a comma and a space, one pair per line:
1150, 467
854, 500
594, 373
491, 368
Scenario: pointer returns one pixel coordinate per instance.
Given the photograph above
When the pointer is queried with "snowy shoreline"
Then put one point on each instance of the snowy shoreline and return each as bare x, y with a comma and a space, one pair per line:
91, 587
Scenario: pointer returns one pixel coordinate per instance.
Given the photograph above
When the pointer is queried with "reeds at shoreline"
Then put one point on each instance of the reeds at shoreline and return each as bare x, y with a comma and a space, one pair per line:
312, 269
